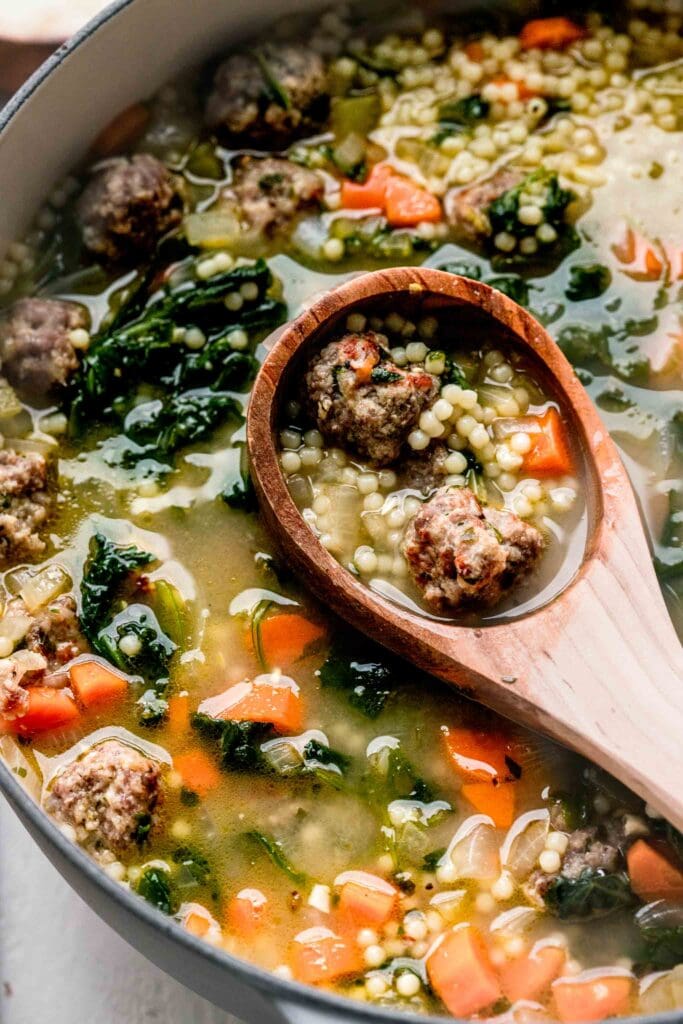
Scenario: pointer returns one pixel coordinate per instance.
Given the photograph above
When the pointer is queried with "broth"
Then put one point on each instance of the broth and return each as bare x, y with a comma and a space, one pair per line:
186, 711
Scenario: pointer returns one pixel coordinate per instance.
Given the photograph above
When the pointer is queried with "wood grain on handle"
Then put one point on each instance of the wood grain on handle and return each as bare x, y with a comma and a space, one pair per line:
598, 668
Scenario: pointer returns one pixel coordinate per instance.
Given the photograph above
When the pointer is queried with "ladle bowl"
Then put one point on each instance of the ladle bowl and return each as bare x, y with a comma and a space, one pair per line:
598, 667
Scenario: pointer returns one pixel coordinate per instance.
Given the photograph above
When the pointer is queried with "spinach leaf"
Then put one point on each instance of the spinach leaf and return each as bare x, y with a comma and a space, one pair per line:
453, 374
368, 684
669, 560
466, 111
153, 707
237, 743
277, 855
595, 893
160, 428
380, 375
587, 281
238, 493
503, 213
392, 776
151, 649
196, 866
108, 566
154, 885
143, 828
325, 764
662, 947
512, 285
431, 860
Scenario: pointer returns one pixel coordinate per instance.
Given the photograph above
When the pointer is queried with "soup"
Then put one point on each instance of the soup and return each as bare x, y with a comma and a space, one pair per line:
277, 784
463, 473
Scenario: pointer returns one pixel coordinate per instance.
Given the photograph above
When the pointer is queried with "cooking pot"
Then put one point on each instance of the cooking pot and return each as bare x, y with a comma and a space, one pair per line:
123, 55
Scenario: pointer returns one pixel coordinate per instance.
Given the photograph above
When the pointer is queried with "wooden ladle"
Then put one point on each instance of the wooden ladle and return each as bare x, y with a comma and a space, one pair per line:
599, 666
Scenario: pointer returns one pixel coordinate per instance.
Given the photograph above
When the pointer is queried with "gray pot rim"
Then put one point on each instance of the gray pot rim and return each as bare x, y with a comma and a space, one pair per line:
279, 989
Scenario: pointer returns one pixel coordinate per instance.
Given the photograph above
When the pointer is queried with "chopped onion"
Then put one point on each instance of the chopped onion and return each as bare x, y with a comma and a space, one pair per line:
44, 586
21, 766
14, 625
212, 229
20, 444
662, 991
474, 849
9, 403
282, 756
524, 843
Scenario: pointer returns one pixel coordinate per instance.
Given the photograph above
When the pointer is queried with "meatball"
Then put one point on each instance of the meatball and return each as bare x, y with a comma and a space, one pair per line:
105, 795
458, 554
36, 350
56, 633
16, 673
127, 206
267, 194
596, 848
25, 505
467, 208
426, 470
361, 400
269, 97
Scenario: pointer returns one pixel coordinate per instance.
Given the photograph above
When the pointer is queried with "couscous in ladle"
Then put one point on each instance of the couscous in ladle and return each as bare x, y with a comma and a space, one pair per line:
598, 667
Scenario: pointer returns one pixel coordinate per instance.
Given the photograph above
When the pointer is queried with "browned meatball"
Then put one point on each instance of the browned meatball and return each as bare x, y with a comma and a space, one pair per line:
268, 97
56, 633
425, 470
362, 401
466, 208
36, 350
105, 794
25, 505
267, 194
127, 206
461, 554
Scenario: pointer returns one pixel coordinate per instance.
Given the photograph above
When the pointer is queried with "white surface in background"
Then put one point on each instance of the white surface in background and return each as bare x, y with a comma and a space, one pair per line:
62, 964
49, 20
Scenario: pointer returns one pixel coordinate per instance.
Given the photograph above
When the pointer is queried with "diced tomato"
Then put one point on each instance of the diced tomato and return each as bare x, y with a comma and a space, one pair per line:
198, 771
48, 708
530, 977
461, 973
319, 955
95, 683
592, 997
408, 204
365, 899
653, 871
550, 34
549, 454
276, 701
369, 194
247, 912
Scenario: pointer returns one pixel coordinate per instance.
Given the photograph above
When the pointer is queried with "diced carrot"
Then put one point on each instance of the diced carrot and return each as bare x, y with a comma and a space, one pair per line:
479, 755
498, 801
530, 977
48, 708
370, 194
549, 453
475, 52
653, 871
197, 924
320, 955
365, 899
266, 699
639, 255
408, 203
523, 90
550, 34
247, 912
94, 683
461, 973
178, 716
674, 258
198, 772
592, 997
285, 637
122, 132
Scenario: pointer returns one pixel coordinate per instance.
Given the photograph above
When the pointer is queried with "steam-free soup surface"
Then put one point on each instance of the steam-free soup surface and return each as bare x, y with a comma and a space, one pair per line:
173, 697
